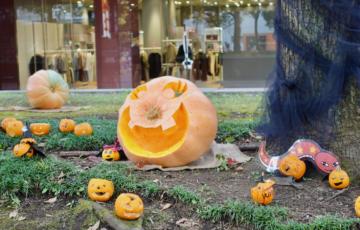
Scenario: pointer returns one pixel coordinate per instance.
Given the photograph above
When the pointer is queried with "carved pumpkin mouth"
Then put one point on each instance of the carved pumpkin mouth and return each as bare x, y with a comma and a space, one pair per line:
109, 159
338, 183
155, 141
100, 193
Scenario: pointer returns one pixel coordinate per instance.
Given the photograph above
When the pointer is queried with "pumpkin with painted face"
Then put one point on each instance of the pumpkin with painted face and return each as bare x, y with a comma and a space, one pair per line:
40, 129
100, 189
83, 129
167, 121
67, 125
5, 121
14, 128
339, 179
110, 154
263, 193
292, 166
357, 206
23, 149
129, 206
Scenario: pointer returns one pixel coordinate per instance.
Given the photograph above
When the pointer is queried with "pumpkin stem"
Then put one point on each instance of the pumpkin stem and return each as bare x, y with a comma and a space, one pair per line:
153, 113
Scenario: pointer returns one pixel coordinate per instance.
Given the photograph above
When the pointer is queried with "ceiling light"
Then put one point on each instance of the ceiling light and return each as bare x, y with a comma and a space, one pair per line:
259, 3
249, 4
216, 3
91, 6
187, 2
227, 5
271, 3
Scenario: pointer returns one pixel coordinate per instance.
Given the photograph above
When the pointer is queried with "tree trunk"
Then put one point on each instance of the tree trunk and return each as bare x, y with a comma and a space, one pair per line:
311, 68
256, 26
237, 31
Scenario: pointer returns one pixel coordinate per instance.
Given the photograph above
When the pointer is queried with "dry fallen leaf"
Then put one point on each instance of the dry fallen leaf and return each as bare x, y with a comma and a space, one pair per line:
21, 218
48, 215
239, 168
95, 226
156, 181
51, 200
186, 223
13, 214
61, 175
165, 206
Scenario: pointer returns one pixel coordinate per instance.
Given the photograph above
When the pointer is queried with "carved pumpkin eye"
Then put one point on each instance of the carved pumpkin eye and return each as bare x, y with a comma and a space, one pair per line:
138, 92
177, 88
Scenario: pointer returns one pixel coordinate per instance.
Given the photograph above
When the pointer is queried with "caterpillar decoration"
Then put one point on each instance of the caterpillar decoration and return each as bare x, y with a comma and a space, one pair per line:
304, 150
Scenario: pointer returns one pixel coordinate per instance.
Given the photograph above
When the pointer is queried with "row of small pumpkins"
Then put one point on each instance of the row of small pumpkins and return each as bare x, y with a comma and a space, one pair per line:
14, 127
128, 206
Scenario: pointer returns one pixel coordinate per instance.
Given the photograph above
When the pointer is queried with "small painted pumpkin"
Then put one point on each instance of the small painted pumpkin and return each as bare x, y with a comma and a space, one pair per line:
40, 129
129, 206
110, 154
67, 125
83, 129
5, 121
263, 193
46, 89
100, 189
21, 149
292, 166
357, 206
14, 128
339, 179
28, 141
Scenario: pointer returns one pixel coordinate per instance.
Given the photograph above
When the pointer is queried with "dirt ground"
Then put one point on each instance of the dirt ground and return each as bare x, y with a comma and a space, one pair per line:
314, 198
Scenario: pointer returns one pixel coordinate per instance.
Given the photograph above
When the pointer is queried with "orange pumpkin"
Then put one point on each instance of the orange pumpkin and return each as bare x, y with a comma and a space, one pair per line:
67, 125
21, 149
83, 129
46, 89
5, 121
357, 206
263, 193
110, 154
14, 128
40, 129
339, 179
100, 189
167, 121
292, 166
129, 206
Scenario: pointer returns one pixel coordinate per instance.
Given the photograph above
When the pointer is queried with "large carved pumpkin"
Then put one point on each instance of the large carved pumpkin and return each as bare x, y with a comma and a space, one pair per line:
168, 122
46, 89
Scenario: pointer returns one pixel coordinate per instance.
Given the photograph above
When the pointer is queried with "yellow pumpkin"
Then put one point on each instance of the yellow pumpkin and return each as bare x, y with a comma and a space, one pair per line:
67, 125
129, 206
100, 189
14, 128
5, 121
83, 129
339, 179
292, 166
357, 206
110, 154
40, 129
263, 193
167, 121
46, 89
22, 149
28, 141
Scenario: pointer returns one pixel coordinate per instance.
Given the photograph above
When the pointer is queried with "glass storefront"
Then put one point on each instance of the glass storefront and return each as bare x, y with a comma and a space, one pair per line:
58, 35
121, 43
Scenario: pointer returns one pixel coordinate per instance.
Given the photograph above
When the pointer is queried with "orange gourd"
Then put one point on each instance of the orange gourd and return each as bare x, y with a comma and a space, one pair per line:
339, 179
357, 206
14, 128
46, 89
40, 129
129, 206
292, 166
83, 129
263, 193
167, 121
5, 121
100, 189
67, 125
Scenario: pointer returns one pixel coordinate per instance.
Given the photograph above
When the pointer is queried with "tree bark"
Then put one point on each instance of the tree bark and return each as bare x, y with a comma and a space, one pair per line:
237, 31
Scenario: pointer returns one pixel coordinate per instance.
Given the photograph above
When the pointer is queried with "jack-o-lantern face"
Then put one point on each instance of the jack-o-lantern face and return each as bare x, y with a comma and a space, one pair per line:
326, 162
339, 179
14, 128
292, 166
83, 129
263, 193
21, 149
67, 125
357, 206
100, 189
163, 122
110, 154
129, 206
5, 121
40, 129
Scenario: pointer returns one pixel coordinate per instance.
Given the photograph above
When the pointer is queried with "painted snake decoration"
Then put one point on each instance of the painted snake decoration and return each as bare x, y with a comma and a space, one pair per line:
306, 150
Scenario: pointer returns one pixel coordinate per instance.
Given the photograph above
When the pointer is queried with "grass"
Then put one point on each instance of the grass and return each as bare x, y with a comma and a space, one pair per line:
105, 133
57, 177
240, 106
